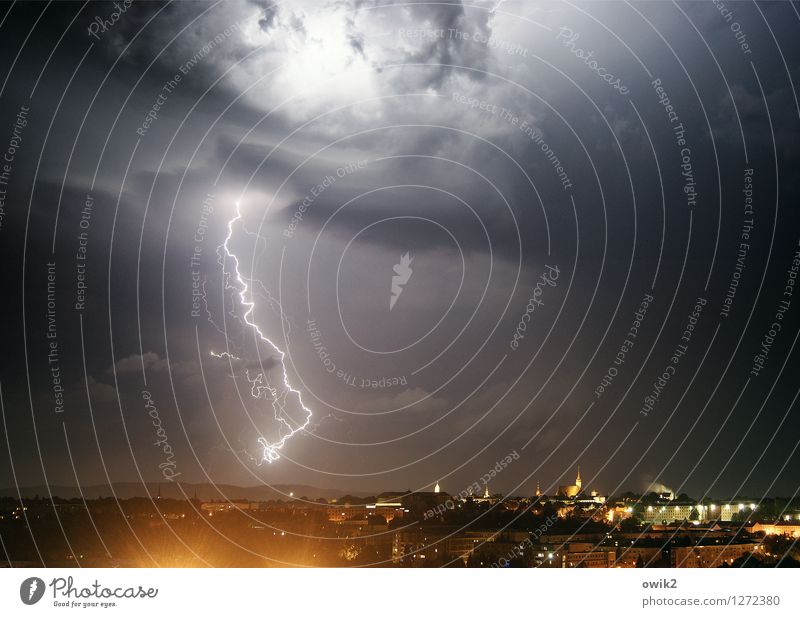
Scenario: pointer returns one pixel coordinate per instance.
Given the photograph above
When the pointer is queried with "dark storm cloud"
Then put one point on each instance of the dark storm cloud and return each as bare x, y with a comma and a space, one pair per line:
304, 61
443, 28
270, 13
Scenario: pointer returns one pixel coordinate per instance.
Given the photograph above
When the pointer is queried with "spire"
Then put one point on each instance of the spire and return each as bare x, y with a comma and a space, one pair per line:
436, 488
578, 479
486, 492
538, 490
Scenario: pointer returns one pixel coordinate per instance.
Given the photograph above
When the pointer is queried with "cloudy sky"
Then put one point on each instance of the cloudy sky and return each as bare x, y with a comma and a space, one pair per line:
205, 205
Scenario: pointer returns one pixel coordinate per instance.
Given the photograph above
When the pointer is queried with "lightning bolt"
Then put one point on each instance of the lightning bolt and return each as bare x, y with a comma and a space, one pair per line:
260, 384
32, 590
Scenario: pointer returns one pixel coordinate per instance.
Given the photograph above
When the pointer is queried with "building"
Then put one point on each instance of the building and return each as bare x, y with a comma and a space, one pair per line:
638, 556
710, 529
573, 555
388, 505
417, 503
582, 555
346, 512
571, 490
710, 555
672, 511
418, 544
227, 506
726, 511
776, 529
487, 497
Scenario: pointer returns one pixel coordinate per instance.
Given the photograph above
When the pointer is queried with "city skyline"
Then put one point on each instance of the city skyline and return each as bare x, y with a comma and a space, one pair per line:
426, 529
510, 275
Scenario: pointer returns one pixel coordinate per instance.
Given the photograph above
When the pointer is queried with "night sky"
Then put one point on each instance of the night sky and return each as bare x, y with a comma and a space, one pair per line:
590, 211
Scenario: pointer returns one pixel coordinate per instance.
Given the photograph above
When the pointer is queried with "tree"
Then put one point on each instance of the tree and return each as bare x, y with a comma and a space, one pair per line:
751, 560
629, 524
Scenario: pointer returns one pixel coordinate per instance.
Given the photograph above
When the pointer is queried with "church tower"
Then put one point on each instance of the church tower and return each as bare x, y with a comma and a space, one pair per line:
436, 488
578, 479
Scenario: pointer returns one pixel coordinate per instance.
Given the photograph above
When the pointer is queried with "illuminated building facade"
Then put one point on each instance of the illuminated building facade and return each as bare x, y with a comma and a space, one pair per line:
776, 529
711, 555
571, 490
